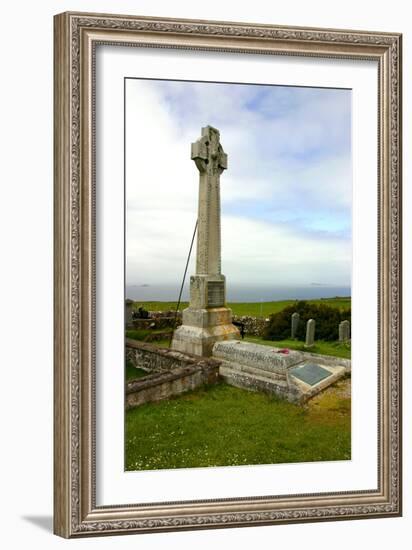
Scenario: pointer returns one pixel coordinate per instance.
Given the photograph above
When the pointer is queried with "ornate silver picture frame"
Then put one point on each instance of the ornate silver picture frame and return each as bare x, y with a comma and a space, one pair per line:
76, 510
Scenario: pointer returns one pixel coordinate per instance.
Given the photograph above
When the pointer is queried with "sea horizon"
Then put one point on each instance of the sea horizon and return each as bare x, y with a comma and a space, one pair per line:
239, 293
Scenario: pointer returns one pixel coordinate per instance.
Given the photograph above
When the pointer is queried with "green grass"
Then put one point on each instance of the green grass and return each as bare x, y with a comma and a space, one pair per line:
137, 334
221, 425
140, 334
132, 372
254, 309
336, 349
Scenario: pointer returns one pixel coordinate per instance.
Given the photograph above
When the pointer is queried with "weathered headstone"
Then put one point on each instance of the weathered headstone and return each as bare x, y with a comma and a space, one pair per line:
295, 323
128, 317
207, 319
344, 331
310, 333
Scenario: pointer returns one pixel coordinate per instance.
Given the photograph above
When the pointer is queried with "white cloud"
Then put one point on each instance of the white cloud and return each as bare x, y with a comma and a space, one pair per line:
274, 254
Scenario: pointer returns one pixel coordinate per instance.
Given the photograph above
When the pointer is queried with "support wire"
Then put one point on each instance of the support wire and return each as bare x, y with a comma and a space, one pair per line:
182, 285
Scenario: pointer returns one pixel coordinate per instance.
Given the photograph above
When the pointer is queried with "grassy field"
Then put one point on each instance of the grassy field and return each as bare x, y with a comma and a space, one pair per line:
221, 425
254, 309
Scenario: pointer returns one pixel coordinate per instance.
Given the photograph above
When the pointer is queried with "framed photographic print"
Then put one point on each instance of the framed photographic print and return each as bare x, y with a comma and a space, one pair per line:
227, 274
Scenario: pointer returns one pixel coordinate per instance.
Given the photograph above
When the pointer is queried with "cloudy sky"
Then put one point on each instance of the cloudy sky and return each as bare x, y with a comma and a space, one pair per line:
286, 195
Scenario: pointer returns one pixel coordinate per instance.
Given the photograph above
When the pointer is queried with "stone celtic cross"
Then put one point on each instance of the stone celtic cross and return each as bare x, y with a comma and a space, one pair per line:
207, 152
207, 320
211, 160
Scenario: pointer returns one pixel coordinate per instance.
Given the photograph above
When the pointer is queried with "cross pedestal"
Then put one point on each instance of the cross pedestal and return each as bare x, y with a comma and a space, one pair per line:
207, 319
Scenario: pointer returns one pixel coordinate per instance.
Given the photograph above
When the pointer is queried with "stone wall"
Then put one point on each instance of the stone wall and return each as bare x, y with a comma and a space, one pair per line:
161, 314
155, 323
170, 373
254, 326
156, 387
154, 359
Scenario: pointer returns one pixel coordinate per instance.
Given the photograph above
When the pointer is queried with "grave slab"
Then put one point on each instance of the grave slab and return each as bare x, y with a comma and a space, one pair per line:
295, 376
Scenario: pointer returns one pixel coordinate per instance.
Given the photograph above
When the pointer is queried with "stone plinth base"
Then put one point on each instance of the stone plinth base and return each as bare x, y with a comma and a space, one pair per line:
202, 328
